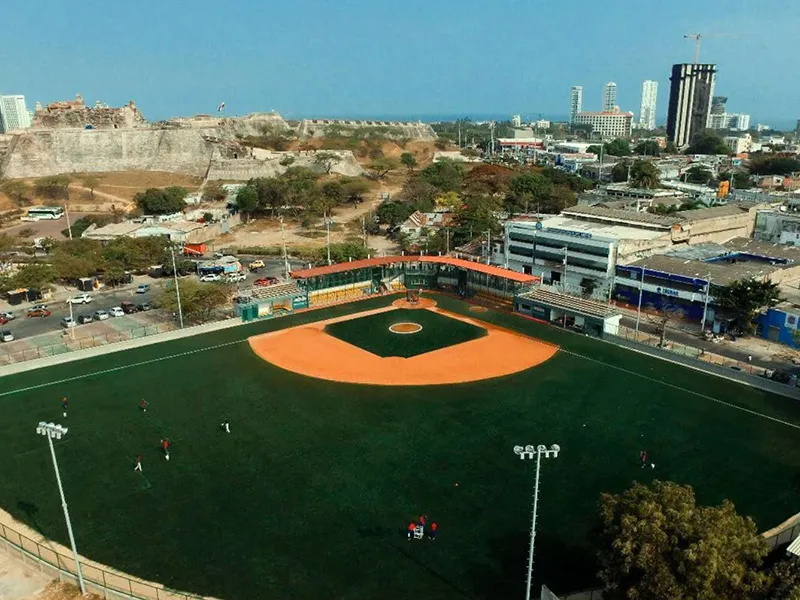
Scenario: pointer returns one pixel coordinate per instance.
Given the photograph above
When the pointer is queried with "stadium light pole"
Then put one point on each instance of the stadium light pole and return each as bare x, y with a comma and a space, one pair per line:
50, 431
529, 452
705, 304
177, 287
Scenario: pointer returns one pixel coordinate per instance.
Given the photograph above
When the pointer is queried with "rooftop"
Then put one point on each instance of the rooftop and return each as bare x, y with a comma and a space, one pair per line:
582, 306
609, 230
385, 260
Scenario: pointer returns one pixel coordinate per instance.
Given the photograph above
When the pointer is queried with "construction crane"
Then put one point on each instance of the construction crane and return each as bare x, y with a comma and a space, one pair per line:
698, 36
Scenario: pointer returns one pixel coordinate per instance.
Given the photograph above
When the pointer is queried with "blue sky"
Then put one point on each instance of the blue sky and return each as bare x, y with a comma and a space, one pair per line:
380, 58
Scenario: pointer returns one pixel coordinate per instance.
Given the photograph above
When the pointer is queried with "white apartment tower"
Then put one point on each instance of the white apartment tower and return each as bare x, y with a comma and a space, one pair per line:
647, 115
609, 96
13, 114
575, 102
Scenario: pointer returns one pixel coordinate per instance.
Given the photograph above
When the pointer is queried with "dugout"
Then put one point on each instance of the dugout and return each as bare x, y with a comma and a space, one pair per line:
269, 301
360, 278
580, 314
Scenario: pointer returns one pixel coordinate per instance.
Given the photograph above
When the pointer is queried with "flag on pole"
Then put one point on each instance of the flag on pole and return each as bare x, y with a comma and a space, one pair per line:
220, 107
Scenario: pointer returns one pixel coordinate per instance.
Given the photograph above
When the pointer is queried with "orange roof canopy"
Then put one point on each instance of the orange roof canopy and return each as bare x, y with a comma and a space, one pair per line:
443, 260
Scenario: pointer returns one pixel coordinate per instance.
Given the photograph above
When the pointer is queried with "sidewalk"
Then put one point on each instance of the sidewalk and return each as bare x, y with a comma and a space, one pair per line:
765, 354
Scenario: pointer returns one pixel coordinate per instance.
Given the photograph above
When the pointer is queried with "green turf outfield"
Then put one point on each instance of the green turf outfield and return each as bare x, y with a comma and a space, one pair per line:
371, 333
309, 495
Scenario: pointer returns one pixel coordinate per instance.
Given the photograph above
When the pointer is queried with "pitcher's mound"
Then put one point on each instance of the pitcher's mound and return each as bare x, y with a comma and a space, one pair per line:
405, 328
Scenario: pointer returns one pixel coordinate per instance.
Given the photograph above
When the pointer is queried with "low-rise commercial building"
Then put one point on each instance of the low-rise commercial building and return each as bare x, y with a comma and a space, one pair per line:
608, 124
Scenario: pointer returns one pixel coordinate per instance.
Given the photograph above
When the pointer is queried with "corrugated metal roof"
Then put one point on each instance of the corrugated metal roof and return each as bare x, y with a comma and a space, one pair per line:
444, 260
581, 306
794, 547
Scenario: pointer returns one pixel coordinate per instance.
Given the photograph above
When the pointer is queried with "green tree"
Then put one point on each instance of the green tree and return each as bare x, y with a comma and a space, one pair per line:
247, 200
18, 191
699, 174
619, 172
647, 148
707, 142
213, 192
343, 252
588, 285
48, 244
449, 201
408, 161
774, 165
478, 215
272, 193
287, 161
383, 165
161, 201
618, 147
785, 580
420, 194
34, 276
55, 187
333, 193
445, 175
644, 175
198, 300
90, 182
594, 149
561, 198
739, 179
656, 543
528, 191
354, 189
392, 212
745, 298
326, 161
671, 148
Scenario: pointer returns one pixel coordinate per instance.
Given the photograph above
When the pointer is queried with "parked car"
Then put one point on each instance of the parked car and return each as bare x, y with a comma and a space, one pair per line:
6, 336
218, 255
234, 277
211, 277
256, 265
3, 320
68, 322
143, 307
116, 311
8, 316
128, 307
84, 319
100, 315
143, 288
80, 299
264, 281
39, 311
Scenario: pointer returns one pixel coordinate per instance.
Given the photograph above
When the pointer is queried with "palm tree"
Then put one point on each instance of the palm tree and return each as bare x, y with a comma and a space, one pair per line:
644, 175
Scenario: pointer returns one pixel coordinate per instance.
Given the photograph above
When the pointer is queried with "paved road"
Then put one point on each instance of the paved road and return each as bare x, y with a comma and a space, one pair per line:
727, 349
22, 327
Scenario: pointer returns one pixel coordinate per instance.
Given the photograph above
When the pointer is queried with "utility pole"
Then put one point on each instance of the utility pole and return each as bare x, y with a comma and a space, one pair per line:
364, 230
286, 267
459, 132
328, 230
488, 246
69, 227
566, 251
639, 306
447, 240
705, 304
177, 286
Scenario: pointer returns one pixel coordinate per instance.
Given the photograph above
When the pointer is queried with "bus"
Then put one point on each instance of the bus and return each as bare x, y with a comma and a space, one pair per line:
41, 213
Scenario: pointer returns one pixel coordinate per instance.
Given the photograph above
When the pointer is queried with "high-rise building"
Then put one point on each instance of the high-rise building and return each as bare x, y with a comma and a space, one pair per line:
575, 102
647, 115
718, 104
732, 121
691, 88
608, 124
516, 121
13, 114
609, 96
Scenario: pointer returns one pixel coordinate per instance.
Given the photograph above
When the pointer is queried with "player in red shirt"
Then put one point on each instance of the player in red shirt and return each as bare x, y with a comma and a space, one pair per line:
411, 528
421, 520
143, 405
643, 457
432, 531
165, 443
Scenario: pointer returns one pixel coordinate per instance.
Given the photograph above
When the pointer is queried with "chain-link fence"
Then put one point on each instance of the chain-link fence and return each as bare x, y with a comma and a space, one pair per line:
105, 583
67, 344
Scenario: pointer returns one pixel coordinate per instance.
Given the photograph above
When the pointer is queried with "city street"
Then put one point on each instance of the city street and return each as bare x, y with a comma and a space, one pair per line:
105, 299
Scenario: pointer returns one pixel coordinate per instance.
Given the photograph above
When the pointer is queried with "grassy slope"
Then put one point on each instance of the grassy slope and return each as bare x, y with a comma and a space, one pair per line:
309, 494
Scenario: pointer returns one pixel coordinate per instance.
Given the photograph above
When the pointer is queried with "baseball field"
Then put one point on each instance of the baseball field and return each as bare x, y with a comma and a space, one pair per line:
310, 493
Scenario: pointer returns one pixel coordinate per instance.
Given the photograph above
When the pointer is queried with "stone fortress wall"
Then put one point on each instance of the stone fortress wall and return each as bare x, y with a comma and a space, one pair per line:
71, 137
391, 129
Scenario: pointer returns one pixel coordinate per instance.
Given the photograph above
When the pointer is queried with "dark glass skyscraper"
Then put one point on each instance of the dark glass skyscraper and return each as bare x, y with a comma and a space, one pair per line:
691, 88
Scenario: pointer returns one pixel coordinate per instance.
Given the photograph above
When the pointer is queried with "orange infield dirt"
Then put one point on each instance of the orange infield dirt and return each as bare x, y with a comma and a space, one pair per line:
308, 350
